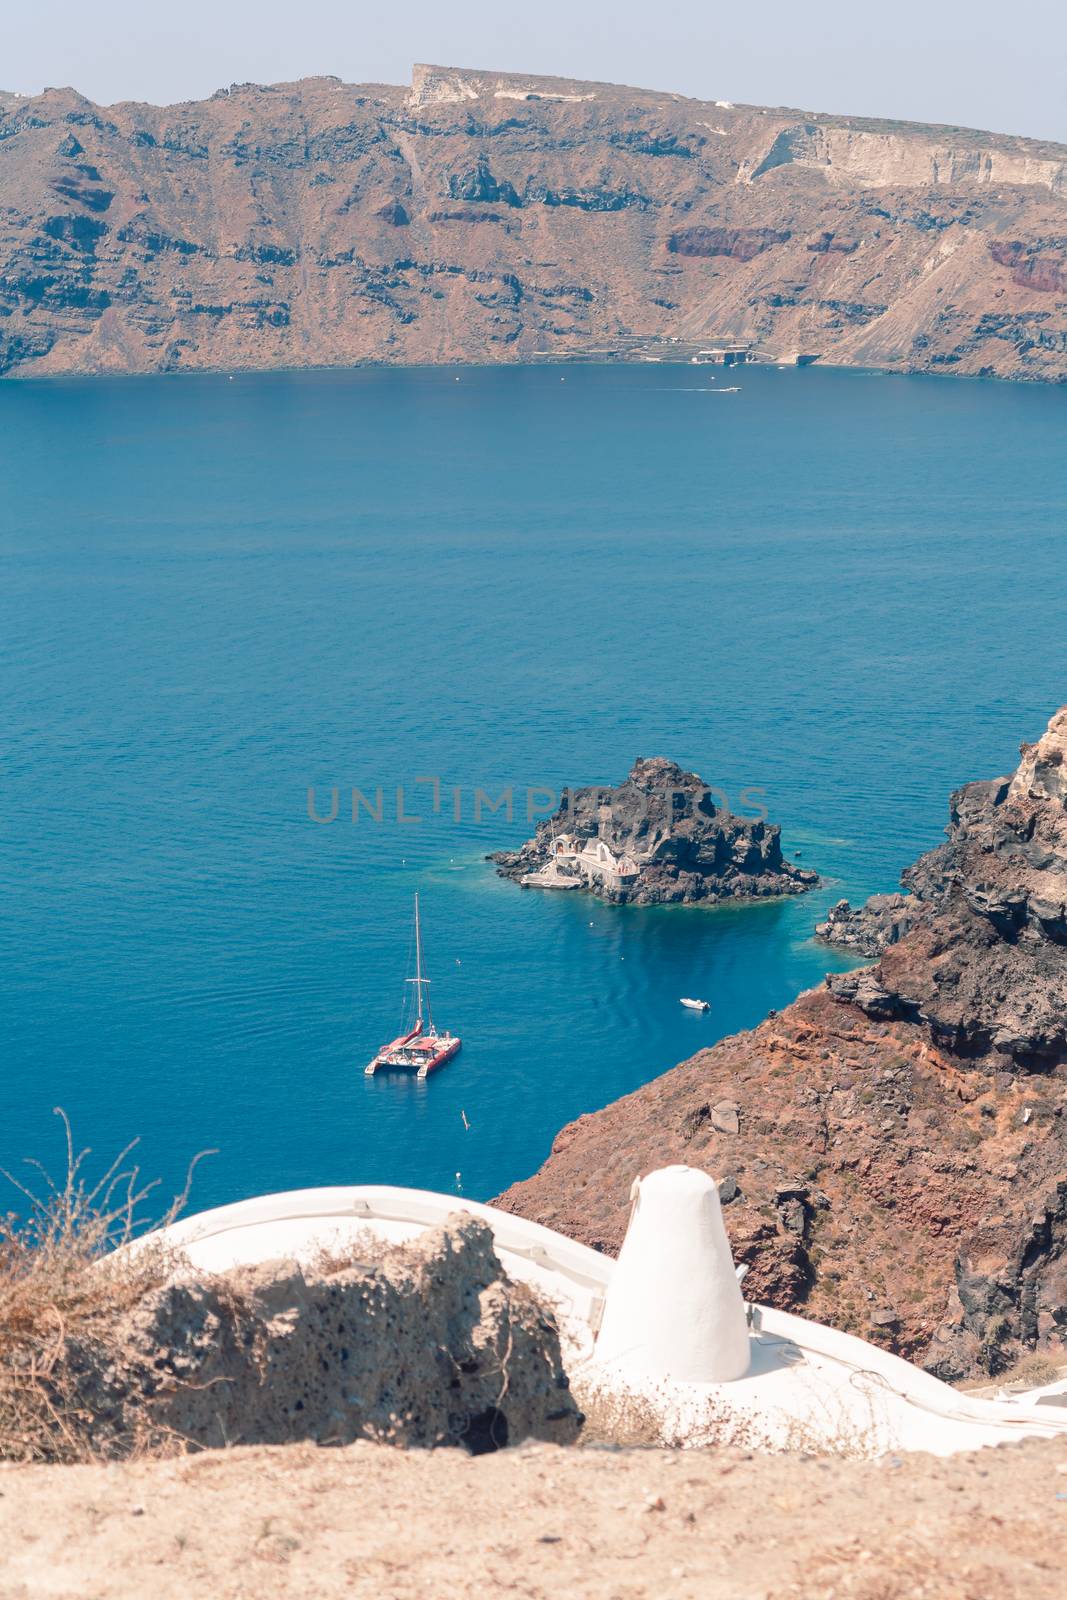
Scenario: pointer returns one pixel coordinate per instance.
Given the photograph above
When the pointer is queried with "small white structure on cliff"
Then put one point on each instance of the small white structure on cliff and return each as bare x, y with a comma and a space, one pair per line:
578, 863
665, 1325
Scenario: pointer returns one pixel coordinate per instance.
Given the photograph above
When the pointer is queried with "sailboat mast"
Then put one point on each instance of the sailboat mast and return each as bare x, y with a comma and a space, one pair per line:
418, 957
425, 1051
418, 980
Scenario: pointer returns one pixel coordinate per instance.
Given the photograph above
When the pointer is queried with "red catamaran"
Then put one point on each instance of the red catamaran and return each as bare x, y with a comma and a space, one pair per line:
423, 1048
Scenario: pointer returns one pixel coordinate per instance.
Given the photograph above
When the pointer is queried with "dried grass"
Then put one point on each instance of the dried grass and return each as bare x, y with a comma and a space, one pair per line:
1032, 1371
364, 1249
63, 1287
1035, 1369
622, 1420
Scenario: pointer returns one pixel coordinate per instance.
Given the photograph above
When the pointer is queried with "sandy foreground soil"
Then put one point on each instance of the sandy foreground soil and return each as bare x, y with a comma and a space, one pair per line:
539, 1521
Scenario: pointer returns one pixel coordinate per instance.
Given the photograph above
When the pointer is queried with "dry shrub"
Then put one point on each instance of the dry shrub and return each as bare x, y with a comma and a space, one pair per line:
1035, 1369
363, 1249
622, 1419
62, 1288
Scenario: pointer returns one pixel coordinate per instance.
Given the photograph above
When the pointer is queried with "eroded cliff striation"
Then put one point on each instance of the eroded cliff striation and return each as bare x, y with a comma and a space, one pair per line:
481, 216
893, 1146
656, 838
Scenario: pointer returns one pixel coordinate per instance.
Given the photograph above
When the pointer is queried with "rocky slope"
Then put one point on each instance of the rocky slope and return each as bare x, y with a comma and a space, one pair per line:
658, 837
893, 1146
983, 964
478, 216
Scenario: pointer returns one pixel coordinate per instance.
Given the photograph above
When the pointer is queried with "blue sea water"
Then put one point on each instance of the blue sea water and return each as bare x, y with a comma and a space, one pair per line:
843, 590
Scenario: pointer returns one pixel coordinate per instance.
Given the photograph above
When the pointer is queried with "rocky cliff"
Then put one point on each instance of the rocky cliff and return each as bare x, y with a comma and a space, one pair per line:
480, 217
893, 1146
867, 929
658, 837
977, 951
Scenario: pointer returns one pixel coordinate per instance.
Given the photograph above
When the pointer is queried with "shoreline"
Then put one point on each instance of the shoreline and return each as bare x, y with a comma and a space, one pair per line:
21, 376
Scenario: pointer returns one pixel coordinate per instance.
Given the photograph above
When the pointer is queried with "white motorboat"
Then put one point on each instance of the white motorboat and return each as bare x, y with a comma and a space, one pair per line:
696, 1005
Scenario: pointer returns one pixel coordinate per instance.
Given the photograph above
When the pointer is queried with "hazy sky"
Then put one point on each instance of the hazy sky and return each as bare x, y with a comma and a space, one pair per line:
974, 62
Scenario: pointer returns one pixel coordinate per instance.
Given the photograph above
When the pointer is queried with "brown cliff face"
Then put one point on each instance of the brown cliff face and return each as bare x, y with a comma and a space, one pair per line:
484, 217
1030, 269
893, 1145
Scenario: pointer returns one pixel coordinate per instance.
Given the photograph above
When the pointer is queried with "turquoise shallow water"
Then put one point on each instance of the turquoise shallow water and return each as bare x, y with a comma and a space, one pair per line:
847, 591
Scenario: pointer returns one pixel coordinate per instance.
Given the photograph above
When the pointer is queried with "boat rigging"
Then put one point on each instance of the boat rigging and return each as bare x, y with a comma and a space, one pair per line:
423, 1048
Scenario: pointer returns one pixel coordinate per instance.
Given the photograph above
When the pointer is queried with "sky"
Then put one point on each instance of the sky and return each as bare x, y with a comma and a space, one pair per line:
976, 63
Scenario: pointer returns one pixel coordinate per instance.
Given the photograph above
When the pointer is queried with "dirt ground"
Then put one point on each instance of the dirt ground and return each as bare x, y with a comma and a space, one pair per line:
297, 1521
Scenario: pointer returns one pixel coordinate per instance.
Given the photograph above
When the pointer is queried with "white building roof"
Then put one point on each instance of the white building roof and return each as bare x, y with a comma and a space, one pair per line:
668, 1318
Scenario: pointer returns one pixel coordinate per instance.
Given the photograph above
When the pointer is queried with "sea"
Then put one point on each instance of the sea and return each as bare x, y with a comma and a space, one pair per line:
234, 606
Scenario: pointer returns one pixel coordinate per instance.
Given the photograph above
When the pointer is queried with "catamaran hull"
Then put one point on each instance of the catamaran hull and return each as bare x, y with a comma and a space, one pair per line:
382, 1058
416, 1052
451, 1049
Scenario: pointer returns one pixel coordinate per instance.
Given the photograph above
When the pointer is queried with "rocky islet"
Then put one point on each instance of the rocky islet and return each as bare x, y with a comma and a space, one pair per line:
660, 837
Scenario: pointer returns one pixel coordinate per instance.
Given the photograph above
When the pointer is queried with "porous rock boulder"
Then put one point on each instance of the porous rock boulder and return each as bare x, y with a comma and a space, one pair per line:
425, 1344
658, 837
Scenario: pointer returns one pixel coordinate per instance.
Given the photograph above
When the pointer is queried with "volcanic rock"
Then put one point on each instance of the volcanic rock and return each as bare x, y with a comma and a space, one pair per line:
983, 964
324, 223
869, 928
920, 1103
658, 837
423, 1344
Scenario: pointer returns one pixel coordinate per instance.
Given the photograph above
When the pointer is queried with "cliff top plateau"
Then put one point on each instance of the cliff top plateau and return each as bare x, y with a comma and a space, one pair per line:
893, 1146
479, 216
